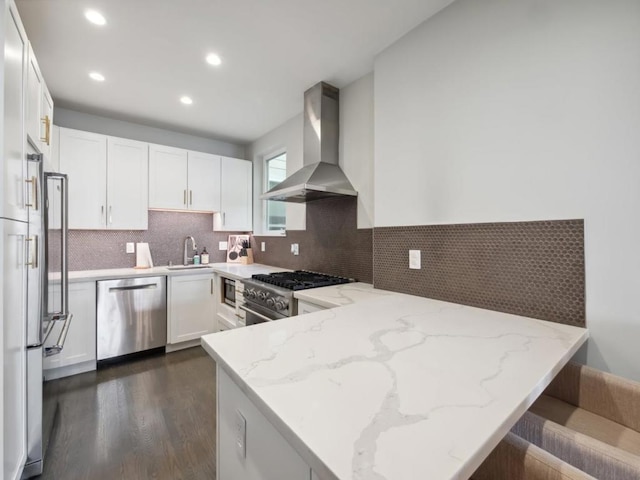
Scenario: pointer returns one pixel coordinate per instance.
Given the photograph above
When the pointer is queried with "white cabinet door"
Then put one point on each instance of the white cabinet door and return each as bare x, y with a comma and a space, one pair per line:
12, 199
236, 196
34, 99
204, 182
266, 456
13, 381
127, 184
191, 307
167, 178
80, 345
83, 157
305, 307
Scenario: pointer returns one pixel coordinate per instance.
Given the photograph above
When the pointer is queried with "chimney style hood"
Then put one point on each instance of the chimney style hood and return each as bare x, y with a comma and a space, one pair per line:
321, 176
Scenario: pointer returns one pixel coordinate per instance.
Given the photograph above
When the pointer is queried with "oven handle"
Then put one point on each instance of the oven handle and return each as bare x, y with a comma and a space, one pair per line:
259, 315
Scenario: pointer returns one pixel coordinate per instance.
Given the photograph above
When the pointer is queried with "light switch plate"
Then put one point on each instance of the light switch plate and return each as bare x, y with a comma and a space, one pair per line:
130, 247
414, 260
295, 249
241, 435
222, 245
263, 246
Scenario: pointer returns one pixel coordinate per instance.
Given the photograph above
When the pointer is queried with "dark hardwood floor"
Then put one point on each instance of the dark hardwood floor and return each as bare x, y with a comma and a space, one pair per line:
150, 418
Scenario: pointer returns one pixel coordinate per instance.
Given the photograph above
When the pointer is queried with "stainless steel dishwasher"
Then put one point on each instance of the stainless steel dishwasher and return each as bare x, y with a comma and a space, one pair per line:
132, 315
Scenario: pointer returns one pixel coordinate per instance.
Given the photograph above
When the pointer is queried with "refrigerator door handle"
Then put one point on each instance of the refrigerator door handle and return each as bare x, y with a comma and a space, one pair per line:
57, 348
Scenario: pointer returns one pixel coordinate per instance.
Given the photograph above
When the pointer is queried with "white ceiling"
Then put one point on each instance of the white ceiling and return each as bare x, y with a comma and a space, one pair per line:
152, 52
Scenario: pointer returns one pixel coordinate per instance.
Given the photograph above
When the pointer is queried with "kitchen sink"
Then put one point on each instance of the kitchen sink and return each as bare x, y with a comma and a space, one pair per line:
187, 267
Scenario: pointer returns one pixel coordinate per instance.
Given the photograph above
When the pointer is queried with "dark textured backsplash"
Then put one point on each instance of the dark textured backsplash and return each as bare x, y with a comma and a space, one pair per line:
332, 243
535, 269
98, 249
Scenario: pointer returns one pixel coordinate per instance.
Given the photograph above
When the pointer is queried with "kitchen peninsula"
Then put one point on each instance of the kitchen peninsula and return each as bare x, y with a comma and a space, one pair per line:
394, 387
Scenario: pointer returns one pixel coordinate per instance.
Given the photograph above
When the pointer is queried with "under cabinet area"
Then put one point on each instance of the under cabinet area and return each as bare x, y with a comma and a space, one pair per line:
79, 352
190, 307
107, 180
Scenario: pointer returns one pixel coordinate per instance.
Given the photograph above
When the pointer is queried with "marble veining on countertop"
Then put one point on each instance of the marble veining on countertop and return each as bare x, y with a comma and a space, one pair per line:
236, 271
340, 295
398, 387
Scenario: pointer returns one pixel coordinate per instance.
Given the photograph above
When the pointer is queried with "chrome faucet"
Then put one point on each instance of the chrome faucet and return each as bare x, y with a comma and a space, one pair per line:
186, 257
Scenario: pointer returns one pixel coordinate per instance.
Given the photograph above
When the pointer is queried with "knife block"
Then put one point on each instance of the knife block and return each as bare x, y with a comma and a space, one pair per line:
248, 258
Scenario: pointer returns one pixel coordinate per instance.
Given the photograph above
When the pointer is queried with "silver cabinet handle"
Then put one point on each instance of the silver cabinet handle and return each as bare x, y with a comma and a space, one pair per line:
184, 199
110, 216
33, 254
148, 286
223, 218
259, 315
57, 348
212, 286
190, 197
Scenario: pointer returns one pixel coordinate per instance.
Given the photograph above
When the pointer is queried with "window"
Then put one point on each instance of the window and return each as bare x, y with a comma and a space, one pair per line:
275, 172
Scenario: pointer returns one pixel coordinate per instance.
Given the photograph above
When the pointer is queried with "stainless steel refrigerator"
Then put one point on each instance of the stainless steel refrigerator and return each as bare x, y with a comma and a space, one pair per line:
48, 317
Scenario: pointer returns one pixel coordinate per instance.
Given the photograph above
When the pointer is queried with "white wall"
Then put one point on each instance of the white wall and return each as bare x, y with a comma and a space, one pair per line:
356, 153
497, 110
356, 143
135, 131
287, 137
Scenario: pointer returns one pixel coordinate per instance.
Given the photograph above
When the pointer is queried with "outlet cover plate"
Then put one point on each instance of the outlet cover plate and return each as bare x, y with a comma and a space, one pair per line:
222, 245
415, 260
130, 247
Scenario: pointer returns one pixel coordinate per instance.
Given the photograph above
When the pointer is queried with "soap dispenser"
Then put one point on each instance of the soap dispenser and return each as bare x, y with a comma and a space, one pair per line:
196, 258
204, 256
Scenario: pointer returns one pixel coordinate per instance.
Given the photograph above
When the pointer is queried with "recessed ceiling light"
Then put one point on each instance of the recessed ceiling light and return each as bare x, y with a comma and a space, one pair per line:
186, 100
98, 77
95, 17
214, 59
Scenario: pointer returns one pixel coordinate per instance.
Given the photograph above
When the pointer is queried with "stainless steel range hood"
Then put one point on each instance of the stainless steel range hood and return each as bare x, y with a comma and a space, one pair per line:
321, 176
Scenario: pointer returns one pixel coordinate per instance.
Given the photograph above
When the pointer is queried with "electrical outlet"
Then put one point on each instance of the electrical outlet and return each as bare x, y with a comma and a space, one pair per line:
241, 435
414, 260
130, 247
295, 249
263, 246
222, 245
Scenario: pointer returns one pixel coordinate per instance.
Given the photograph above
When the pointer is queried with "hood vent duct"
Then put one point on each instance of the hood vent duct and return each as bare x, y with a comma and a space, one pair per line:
321, 176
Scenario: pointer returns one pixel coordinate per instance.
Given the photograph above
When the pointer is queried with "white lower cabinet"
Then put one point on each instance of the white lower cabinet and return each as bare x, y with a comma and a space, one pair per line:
249, 446
79, 351
306, 307
191, 307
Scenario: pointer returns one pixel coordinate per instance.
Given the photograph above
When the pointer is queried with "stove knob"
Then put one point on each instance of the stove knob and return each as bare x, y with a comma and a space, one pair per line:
282, 303
250, 293
271, 302
262, 296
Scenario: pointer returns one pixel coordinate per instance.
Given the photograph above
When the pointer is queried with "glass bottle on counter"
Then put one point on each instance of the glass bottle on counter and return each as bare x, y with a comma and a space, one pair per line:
196, 258
204, 256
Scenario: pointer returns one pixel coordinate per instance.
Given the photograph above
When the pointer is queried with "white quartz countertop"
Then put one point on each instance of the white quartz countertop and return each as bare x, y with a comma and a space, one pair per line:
231, 270
398, 387
340, 295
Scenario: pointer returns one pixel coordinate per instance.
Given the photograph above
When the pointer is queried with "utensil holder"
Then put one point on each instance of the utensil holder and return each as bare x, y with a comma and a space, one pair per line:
248, 258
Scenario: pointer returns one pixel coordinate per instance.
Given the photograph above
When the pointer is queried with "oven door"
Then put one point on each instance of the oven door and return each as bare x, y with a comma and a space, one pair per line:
229, 292
258, 314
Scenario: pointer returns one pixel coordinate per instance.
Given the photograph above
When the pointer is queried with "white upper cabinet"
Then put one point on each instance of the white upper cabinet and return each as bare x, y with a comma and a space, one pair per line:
127, 184
107, 181
183, 180
39, 107
204, 182
236, 197
83, 157
13, 173
168, 178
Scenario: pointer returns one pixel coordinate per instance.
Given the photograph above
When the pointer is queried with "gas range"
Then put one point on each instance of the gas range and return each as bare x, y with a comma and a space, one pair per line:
270, 297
